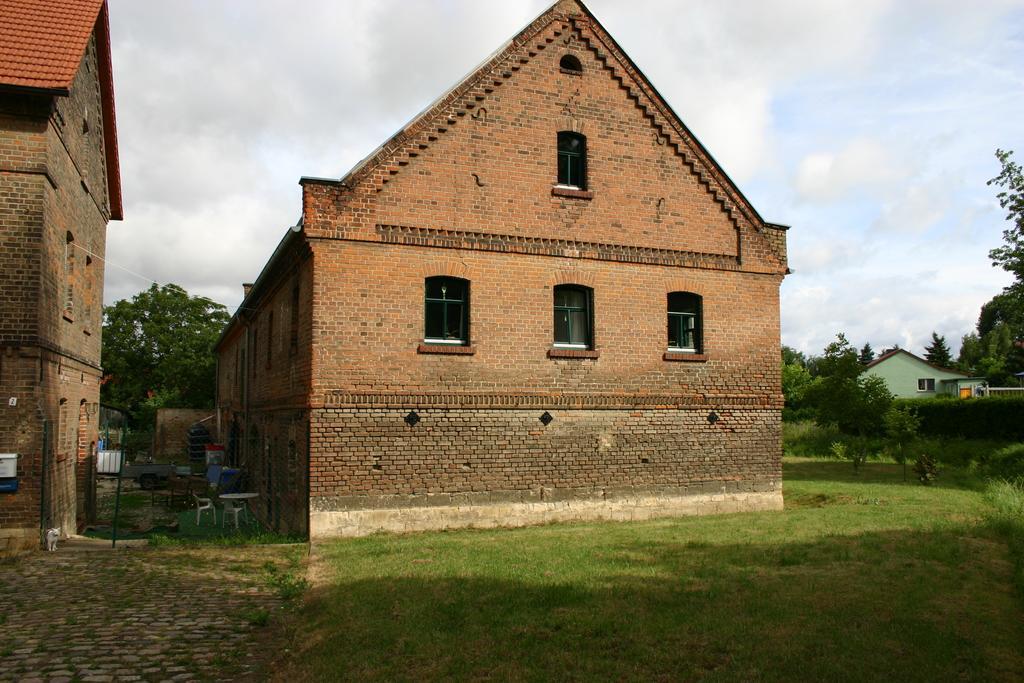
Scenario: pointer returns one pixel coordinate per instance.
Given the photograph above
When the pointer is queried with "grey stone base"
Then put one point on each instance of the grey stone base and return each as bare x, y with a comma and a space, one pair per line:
328, 523
18, 541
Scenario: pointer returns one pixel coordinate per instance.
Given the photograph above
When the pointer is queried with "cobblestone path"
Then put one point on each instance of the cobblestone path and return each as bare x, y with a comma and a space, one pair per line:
152, 614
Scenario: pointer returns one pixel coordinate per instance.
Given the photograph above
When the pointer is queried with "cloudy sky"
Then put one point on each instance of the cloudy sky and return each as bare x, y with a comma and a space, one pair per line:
870, 126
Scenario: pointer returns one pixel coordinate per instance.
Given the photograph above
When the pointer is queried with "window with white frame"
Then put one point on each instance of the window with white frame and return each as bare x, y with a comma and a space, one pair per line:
684, 322
446, 314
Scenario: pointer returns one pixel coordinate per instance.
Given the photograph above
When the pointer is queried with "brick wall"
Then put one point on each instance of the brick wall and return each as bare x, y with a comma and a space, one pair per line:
466, 451
170, 434
369, 324
53, 211
263, 380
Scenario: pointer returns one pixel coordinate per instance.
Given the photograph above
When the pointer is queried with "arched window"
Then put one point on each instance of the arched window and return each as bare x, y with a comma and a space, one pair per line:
571, 63
684, 322
572, 160
69, 275
574, 317
446, 311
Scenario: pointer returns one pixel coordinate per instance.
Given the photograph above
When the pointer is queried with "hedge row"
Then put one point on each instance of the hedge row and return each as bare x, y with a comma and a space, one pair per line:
973, 418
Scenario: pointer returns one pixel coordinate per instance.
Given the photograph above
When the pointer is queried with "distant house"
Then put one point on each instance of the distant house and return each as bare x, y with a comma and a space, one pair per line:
910, 376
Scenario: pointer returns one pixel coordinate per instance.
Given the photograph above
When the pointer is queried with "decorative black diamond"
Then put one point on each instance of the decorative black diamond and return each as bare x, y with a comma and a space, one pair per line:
412, 418
712, 417
546, 418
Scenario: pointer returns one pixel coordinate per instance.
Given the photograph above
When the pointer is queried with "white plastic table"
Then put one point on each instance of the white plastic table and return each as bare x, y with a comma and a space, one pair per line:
239, 496
243, 497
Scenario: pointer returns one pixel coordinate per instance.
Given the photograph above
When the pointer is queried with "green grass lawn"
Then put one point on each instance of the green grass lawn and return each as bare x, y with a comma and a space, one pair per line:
860, 578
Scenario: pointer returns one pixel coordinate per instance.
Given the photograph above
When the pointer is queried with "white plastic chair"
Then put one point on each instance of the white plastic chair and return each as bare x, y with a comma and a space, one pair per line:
233, 508
204, 504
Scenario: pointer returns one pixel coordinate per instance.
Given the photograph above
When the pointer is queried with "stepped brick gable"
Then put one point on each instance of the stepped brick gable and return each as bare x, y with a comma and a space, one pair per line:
540, 300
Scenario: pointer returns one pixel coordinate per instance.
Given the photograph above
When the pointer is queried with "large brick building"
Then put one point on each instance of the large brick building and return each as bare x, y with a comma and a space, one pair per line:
59, 186
541, 299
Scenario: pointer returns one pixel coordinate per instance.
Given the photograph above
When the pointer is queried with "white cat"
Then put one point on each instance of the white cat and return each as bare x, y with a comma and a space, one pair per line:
51, 539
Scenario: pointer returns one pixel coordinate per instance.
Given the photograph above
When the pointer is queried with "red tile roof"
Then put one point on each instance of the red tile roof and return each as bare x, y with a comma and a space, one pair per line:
41, 47
42, 41
892, 352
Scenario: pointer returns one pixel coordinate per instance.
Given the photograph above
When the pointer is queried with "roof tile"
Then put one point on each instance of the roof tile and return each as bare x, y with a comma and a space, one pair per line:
42, 41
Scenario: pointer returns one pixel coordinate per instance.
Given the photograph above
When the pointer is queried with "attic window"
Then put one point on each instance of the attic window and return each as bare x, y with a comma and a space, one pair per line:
572, 160
571, 64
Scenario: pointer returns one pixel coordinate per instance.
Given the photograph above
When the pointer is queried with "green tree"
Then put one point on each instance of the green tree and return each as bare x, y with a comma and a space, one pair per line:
994, 355
791, 356
1010, 256
795, 380
840, 360
158, 351
938, 353
867, 354
1005, 308
996, 352
901, 427
841, 397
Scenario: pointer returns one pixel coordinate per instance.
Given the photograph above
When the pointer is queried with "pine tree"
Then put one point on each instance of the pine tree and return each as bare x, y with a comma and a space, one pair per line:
867, 354
938, 353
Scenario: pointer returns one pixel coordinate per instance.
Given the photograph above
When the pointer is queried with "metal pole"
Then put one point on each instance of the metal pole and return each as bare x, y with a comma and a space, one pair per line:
117, 498
42, 481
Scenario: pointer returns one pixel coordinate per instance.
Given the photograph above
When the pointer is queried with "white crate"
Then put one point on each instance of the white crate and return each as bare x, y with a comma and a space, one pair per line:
108, 462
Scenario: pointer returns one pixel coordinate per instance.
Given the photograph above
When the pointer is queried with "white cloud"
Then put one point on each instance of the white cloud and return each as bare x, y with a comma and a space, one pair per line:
920, 207
863, 166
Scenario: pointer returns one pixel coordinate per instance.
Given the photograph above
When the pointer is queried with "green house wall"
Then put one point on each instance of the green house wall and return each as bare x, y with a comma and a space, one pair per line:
901, 372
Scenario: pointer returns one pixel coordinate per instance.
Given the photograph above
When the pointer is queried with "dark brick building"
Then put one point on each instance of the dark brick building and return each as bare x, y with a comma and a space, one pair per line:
59, 186
540, 300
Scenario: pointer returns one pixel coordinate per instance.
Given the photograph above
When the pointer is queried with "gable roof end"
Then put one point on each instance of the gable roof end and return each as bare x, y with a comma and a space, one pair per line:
580, 17
889, 354
41, 47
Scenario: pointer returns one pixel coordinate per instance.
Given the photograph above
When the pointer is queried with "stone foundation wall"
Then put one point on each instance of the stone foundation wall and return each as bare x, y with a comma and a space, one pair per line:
534, 509
17, 541
370, 470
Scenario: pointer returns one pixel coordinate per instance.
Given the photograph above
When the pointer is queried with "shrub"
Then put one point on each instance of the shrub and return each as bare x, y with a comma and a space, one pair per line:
1005, 463
257, 617
854, 449
808, 439
926, 469
288, 584
901, 425
974, 418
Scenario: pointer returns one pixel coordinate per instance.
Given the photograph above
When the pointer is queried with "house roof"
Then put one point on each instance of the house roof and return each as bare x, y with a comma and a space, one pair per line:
725, 190
257, 286
889, 354
42, 43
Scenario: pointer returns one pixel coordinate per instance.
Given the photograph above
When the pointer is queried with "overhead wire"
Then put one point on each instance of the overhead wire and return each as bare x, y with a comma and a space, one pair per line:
149, 279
